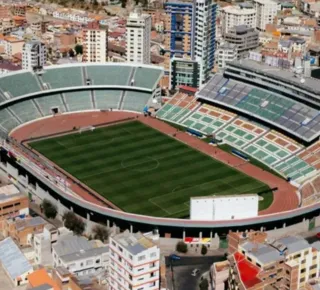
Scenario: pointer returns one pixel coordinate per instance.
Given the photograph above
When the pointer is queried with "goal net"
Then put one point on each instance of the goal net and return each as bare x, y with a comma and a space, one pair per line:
87, 128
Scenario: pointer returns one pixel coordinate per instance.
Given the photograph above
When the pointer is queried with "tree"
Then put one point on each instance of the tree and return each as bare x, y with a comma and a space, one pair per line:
74, 223
204, 249
79, 49
182, 247
71, 52
204, 284
100, 232
50, 210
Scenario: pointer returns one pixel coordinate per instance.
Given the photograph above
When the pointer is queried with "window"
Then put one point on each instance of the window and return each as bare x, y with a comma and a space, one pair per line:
154, 254
302, 279
313, 267
120, 249
97, 261
141, 258
303, 271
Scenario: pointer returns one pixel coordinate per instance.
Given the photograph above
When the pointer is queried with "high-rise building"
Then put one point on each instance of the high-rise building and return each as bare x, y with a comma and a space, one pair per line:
190, 33
34, 55
227, 52
266, 10
95, 43
237, 15
138, 37
134, 262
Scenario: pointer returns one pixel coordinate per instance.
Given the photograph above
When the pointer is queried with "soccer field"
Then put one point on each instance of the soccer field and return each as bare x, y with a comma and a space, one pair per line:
144, 171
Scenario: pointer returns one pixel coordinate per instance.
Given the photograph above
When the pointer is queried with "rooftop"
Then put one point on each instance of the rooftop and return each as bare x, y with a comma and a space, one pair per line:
21, 224
12, 259
134, 243
294, 244
40, 277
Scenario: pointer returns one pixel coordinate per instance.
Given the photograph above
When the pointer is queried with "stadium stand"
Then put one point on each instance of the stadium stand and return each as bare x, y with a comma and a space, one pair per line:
19, 84
78, 101
7, 120
47, 103
296, 118
106, 99
146, 77
109, 75
312, 155
135, 101
58, 78
25, 111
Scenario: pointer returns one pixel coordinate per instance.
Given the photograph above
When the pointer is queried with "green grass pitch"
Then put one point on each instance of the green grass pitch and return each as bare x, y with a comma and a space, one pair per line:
144, 171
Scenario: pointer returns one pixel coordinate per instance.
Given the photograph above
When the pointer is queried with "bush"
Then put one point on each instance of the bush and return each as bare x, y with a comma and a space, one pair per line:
100, 233
204, 249
182, 247
49, 209
73, 223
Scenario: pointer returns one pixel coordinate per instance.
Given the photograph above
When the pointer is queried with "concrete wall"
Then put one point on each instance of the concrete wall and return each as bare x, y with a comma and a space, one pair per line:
290, 230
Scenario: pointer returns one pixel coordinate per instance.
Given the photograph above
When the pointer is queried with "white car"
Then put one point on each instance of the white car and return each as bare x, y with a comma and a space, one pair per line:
195, 272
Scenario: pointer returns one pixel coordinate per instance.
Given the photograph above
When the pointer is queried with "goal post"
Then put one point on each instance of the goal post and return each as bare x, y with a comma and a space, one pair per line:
86, 128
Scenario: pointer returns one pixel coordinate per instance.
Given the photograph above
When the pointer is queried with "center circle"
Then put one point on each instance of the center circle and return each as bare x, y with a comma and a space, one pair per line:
142, 165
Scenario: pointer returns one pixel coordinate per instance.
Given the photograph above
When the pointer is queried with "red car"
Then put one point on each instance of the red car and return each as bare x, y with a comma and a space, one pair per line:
318, 235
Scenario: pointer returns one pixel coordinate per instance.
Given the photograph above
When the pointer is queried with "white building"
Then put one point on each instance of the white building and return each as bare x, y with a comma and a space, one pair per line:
138, 37
134, 262
227, 52
266, 10
227, 207
34, 55
235, 15
95, 43
80, 256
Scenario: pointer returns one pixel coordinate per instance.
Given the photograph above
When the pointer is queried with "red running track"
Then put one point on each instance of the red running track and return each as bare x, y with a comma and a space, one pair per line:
285, 198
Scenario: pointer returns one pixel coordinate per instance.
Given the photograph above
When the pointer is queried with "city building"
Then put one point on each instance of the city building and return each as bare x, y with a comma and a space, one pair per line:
22, 230
266, 10
134, 262
34, 55
14, 263
227, 52
95, 43
43, 242
232, 16
80, 256
12, 203
189, 31
138, 37
13, 45
41, 278
257, 262
185, 72
244, 37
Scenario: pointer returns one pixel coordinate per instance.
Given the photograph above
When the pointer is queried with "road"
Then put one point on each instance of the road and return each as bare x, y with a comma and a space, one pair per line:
182, 269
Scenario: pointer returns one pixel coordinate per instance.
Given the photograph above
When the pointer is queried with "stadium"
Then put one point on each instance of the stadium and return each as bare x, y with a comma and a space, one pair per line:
96, 139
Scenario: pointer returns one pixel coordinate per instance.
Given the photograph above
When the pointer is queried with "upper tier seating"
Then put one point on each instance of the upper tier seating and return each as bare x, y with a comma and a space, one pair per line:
146, 77
58, 78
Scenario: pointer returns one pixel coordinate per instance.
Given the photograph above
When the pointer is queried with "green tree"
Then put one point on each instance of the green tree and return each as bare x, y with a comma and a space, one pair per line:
49, 209
73, 223
204, 284
79, 49
204, 249
100, 232
182, 247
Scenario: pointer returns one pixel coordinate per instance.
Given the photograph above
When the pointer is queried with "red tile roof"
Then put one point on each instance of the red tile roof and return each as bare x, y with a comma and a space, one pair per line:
189, 89
248, 271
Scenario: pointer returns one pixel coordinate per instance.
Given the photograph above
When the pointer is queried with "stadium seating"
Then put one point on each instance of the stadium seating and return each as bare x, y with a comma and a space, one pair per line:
109, 75
297, 118
19, 84
61, 78
312, 155
146, 77
7, 120
47, 103
106, 99
26, 111
240, 133
178, 108
2, 98
135, 101
78, 101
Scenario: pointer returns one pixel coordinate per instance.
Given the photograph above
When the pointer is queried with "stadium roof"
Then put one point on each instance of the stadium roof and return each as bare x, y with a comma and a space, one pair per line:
12, 259
286, 76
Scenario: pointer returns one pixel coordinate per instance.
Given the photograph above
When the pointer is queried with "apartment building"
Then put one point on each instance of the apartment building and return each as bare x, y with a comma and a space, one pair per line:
95, 43
138, 37
266, 10
134, 262
189, 31
257, 262
80, 256
244, 37
13, 45
232, 16
227, 52
34, 55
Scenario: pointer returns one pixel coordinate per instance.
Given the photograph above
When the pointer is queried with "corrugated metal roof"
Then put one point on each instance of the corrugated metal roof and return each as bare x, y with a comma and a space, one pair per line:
262, 252
294, 244
12, 259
